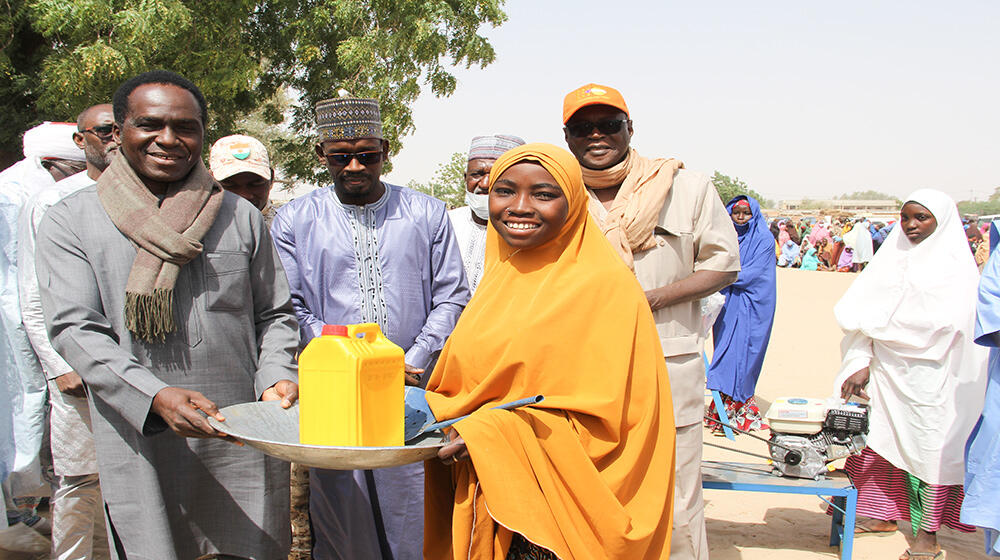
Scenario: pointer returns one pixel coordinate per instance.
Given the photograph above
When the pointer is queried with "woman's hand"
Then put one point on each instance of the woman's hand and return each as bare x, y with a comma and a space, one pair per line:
455, 450
855, 385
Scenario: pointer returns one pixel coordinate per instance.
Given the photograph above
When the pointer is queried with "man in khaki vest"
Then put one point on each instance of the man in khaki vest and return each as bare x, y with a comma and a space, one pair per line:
670, 227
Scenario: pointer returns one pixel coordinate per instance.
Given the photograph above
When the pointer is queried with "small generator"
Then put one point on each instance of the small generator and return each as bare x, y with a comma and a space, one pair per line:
808, 434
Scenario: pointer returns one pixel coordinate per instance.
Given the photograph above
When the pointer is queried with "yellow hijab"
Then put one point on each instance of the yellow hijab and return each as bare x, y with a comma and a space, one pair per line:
589, 472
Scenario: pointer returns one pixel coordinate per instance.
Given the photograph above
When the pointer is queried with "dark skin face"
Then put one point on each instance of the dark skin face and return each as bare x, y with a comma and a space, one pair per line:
598, 150
355, 183
162, 134
250, 186
917, 222
477, 180
97, 146
527, 206
477, 175
741, 215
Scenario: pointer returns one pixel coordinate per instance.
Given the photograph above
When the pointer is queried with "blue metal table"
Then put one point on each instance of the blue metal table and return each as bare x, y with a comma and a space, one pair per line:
748, 477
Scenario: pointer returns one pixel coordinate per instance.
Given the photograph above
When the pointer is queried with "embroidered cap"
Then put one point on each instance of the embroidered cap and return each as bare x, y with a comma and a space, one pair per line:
238, 153
492, 147
592, 94
348, 118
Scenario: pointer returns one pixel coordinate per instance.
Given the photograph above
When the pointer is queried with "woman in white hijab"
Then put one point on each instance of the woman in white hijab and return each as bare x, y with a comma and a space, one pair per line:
908, 323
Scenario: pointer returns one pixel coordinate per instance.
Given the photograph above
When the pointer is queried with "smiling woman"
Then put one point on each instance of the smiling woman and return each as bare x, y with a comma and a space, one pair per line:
527, 206
588, 472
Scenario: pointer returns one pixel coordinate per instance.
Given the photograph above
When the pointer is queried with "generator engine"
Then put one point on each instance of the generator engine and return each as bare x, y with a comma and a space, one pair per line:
808, 434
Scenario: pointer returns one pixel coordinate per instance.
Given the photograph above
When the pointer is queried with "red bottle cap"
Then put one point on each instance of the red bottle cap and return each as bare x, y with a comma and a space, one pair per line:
334, 330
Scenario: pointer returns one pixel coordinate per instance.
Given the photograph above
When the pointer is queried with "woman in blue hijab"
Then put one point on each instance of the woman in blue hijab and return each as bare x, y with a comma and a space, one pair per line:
743, 329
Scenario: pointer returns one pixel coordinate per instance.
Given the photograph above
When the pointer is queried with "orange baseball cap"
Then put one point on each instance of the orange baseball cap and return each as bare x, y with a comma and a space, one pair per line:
592, 94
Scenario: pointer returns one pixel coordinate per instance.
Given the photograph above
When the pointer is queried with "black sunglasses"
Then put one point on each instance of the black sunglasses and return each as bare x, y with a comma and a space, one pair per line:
343, 160
103, 132
581, 129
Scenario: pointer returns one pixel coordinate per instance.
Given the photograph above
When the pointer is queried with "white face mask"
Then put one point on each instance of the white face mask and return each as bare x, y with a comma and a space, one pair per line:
480, 204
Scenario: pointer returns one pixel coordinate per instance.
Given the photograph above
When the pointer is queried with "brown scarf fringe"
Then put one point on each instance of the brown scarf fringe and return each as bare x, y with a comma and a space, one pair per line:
150, 316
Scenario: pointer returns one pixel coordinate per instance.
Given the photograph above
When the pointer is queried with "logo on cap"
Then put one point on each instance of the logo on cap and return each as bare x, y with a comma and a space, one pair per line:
596, 91
241, 151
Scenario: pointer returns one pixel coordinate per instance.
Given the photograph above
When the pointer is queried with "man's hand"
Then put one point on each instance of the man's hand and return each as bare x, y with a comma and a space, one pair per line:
855, 385
182, 410
655, 299
70, 384
287, 391
411, 375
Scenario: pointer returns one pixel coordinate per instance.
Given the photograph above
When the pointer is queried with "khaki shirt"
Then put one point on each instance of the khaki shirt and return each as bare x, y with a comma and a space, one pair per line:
693, 233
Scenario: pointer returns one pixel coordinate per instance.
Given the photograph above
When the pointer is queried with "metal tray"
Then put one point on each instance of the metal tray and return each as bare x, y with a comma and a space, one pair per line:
275, 431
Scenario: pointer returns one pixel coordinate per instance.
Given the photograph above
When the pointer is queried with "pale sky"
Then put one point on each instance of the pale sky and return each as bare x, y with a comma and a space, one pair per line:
797, 98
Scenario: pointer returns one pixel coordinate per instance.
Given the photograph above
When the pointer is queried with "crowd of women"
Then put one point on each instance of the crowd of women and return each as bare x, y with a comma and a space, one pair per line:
848, 244
915, 348
842, 244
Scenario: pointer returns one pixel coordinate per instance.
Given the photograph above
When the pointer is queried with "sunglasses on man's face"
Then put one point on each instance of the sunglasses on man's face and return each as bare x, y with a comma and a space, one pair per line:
103, 132
343, 160
584, 128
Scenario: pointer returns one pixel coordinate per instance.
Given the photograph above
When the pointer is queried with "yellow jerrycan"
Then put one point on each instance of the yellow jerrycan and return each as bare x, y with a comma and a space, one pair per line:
351, 388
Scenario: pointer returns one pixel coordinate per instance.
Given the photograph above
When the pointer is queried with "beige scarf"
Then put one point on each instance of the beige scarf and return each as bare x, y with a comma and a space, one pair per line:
166, 237
633, 215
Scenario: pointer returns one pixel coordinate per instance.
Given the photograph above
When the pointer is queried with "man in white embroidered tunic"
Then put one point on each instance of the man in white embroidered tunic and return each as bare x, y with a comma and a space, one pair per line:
470, 221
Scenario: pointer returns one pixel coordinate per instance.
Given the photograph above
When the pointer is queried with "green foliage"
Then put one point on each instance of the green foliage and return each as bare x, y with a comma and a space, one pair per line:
448, 182
981, 207
61, 56
868, 195
728, 187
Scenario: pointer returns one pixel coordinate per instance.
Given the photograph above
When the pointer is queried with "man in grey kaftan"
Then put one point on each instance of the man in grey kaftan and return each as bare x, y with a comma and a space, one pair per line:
170, 497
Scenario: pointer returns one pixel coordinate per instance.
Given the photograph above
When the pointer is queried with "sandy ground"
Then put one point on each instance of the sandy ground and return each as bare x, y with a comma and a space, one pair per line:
802, 360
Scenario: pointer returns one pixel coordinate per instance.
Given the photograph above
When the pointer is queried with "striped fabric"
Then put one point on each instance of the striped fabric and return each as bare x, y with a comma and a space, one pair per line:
888, 493
364, 227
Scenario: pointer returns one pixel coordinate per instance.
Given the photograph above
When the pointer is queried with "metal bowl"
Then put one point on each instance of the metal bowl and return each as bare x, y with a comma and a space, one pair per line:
275, 431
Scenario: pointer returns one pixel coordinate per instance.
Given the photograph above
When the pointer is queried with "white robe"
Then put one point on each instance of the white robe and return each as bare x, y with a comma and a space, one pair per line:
863, 248
20, 372
909, 317
471, 242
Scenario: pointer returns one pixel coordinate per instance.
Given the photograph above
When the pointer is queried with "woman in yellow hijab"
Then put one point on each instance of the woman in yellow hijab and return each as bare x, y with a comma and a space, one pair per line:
588, 473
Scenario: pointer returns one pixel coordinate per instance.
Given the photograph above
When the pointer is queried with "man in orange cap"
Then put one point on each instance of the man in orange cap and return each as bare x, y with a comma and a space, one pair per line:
669, 226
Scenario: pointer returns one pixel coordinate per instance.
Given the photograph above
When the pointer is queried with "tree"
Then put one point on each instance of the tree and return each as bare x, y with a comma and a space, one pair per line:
978, 207
448, 182
60, 56
728, 187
